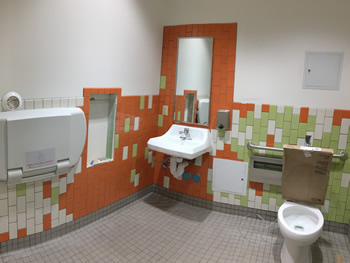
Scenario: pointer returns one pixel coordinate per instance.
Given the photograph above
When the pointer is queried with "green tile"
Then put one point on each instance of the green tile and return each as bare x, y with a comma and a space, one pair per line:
234, 144
162, 82
333, 201
146, 152
293, 139
264, 119
142, 102
338, 172
273, 195
127, 125
339, 219
311, 123
295, 122
209, 188
302, 130
279, 120
343, 194
20, 189
132, 175
244, 201
279, 200
335, 133
240, 152
242, 124
334, 145
256, 126
54, 195
250, 118
256, 138
316, 143
285, 140
347, 217
272, 112
178, 115
348, 203
341, 209
332, 213
153, 161
326, 138
336, 186
288, 111
347, 165
286, 128
263, 134
273, 188
265, 197
160, 120
116, 141
134, 150
224, 194
328, 193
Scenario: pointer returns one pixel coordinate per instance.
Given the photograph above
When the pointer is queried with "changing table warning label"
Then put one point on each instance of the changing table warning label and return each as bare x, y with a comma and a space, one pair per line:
41, 158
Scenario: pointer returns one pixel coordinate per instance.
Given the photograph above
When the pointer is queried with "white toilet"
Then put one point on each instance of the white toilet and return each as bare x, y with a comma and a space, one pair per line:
300, 225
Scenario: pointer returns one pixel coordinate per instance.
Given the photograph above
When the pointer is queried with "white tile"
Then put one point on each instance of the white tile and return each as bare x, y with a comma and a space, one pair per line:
329, 113
220, 143
38, 186
136, 123
312, 111
280, 109
241, 138
38, 216
227, 139
213, 151
342, 142
150, 157
235, 116
325, 207
29, 192
125, 152
272, 204
38, 200
217, 197
3, 190
320, 116
214, 135
237, 202
235, 129
278, 135
258, 202
231, 199
69, 218
64, 102
262, 144
21, 204
70, 175
13, 214
0, 106
318, 131
257, 111
39, 228
38, 103
30, 210
47, 206
137, 180
63, 185
296, 110
300, 142
4, 224
271, 127
327, 124
56, 103
3, 207
13, 230
80, 101
72, 102
264, 206
150, 101
276, 209
21, 222
28, 104
54, 223
210, 174
54, 211
345, 179
251, 194
251, 204
77, 169
12, 198
166, 181
30, 226
55, 181
345, 124
47, 103
249, 133
62, 217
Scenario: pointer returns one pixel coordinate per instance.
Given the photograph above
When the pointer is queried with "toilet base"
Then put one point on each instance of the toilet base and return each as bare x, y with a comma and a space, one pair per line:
291, 253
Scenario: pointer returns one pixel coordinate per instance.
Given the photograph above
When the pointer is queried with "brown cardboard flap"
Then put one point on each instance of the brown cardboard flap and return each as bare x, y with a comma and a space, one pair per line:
305, 173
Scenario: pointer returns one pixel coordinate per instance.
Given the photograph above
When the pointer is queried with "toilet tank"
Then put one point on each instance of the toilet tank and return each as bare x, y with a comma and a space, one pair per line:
41, 143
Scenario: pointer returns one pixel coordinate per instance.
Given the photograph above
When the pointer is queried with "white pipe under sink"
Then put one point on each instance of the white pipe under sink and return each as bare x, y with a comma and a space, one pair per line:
177, 166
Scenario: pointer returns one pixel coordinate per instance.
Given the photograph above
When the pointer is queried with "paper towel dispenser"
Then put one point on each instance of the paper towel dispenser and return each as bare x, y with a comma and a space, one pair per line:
41, 143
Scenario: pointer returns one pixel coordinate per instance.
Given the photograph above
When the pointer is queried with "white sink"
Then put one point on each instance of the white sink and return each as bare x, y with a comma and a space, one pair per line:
197, 143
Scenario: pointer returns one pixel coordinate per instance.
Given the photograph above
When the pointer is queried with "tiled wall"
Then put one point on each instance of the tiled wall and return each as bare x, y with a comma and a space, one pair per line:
267, 125
41, 205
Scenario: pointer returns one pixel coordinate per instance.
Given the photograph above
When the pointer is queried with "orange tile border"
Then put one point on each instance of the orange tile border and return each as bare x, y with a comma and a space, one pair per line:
46, 189
265, 108
21, 232
47, 222
304, 115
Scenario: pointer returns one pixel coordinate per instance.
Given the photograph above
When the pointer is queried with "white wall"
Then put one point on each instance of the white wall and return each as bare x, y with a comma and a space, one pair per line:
273, 36
54, 48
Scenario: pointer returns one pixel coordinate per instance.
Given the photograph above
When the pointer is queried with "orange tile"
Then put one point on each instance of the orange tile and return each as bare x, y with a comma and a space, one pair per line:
243, 111
62, 201
265, 108
47, 222
21, 232
250, 106
4, 237
46, 189
270, 139
337, 117
236, 105
304, 114
346, 114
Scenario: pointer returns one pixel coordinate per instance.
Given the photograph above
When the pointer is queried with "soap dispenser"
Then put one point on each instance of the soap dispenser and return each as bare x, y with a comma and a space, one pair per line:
222, 121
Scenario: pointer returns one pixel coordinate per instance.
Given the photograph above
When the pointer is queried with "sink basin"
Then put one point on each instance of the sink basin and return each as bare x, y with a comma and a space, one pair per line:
172, 144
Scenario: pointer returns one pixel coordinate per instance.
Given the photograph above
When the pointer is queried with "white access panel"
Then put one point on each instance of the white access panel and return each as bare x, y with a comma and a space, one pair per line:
322, 70
230, 176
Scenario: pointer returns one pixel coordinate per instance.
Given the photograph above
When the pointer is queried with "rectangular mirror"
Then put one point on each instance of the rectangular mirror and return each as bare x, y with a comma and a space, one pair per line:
193, 80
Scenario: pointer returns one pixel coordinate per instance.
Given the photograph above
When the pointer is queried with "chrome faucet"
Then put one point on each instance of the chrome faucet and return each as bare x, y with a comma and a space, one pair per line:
185, 134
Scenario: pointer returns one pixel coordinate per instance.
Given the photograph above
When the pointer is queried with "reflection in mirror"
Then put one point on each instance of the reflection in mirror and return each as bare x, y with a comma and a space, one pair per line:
193, 80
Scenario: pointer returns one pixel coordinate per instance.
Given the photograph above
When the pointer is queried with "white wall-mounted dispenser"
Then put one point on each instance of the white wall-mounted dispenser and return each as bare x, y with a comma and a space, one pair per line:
38, 144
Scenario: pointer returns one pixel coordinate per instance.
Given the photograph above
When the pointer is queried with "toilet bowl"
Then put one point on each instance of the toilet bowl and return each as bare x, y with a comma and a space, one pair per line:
300, 226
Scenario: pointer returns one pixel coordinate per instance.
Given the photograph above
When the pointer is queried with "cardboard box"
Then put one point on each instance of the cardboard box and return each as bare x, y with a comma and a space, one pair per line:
305, 173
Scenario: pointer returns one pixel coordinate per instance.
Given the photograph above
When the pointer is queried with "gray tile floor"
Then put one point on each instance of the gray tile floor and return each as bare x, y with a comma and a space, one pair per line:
158, 229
